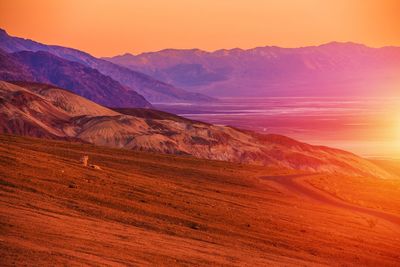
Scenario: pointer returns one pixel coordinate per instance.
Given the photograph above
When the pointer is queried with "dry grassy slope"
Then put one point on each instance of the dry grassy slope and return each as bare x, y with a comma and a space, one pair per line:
381, 195
392, 166
151, 209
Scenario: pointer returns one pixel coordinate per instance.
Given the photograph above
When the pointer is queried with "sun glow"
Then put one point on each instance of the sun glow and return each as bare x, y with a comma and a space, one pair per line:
107, 28
394, 148
397, 136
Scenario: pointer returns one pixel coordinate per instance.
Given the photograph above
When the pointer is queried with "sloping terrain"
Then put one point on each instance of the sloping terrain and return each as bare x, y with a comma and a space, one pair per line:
67, 101
378, 196
47, 68
152, 89
148, 113
333, 69
153, 210
391, 165
296, 184
12, 70
43, 111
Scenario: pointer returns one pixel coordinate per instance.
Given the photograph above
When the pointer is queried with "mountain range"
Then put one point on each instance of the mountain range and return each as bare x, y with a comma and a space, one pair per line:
40, 110
332, 69
152, 89
46, 68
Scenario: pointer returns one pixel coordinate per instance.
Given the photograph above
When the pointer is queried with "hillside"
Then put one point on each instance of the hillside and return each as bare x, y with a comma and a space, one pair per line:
152, 89
151, 210
47, 68
391, 165
332, 69
44, 111
148, 113
12, 70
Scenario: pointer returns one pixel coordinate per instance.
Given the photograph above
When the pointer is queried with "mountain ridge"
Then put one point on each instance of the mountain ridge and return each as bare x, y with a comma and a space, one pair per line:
331, 43
152, 89
45, 67
331, 69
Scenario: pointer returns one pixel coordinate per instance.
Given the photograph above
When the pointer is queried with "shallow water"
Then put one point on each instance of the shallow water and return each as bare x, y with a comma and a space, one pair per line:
366, 126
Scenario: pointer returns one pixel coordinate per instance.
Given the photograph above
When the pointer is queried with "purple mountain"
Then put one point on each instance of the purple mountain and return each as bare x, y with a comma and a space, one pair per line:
152, 89
333, 69
47, 68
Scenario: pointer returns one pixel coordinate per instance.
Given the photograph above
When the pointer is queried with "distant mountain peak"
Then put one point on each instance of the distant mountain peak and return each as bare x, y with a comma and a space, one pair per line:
343, 44
127, 54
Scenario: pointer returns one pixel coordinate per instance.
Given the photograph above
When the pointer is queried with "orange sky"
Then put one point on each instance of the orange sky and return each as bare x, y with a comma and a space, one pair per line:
110, 27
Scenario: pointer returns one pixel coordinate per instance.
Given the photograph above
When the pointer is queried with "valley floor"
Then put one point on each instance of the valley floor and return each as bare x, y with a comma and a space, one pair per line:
152, 209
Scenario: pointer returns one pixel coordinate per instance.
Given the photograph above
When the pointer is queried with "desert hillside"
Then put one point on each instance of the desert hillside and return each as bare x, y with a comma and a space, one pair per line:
38, 110
151, 209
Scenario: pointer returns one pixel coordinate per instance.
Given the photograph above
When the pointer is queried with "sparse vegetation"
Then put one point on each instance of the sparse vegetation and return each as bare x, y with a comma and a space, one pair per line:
155, 209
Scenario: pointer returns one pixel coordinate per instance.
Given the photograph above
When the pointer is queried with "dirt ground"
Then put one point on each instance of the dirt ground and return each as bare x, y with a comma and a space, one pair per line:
158, 210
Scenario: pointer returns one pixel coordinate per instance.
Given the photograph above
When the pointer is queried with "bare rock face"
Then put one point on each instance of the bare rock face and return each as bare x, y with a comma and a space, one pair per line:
36, 110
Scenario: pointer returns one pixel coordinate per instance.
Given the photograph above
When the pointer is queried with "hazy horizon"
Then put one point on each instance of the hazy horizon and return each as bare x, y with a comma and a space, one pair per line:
217, 49
109, 29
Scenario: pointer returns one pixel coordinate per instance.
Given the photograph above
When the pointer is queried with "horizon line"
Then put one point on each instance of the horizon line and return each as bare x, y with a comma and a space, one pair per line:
209, 51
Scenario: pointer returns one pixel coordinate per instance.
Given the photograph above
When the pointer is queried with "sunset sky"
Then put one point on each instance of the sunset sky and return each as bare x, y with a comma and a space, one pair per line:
106, 28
